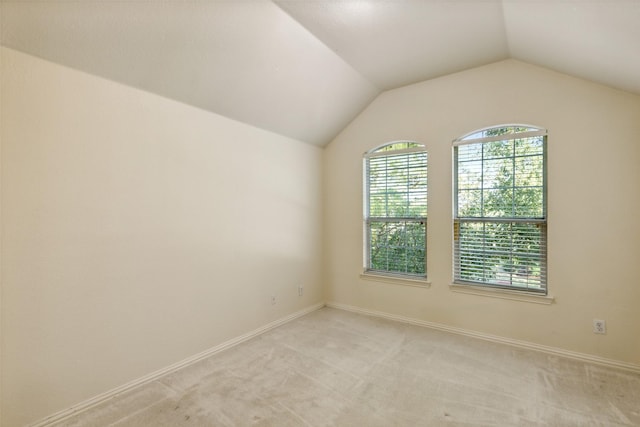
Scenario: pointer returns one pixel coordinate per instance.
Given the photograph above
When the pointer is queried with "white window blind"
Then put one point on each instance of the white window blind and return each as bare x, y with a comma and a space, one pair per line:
500, 225
396, 209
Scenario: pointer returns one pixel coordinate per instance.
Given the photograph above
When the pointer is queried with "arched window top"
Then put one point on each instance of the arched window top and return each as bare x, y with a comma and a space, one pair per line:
396, 147
500, 132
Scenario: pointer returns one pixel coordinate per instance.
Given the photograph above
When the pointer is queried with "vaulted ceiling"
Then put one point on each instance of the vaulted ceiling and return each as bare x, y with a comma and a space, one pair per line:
306, 68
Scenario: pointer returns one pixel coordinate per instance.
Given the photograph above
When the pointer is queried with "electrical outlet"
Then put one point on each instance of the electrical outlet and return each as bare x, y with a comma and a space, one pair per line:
273, 299
599, 327
300, 291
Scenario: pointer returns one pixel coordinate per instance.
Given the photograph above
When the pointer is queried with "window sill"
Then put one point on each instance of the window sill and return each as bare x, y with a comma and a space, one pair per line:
502, 293
396, 280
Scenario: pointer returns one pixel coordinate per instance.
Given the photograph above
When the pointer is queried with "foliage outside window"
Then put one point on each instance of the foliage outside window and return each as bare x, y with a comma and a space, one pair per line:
500, 226
396, 209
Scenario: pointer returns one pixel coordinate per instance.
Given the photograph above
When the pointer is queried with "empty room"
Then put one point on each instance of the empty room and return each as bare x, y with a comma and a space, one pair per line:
320, 213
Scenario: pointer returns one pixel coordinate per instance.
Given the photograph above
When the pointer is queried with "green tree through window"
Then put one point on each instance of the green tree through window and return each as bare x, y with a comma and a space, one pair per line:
500, 208
396, 209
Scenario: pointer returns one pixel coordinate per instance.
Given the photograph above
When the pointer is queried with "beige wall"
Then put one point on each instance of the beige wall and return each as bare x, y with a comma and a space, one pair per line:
594, 200
137, 232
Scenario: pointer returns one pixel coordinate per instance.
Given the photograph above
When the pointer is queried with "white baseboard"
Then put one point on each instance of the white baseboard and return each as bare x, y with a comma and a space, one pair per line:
90, 403
494, 338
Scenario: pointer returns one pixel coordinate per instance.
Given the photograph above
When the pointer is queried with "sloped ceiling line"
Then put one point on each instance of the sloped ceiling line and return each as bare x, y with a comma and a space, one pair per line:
305, 69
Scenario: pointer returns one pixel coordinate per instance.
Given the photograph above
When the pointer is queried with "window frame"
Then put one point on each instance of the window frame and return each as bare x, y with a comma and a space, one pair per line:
407, 278
540, 222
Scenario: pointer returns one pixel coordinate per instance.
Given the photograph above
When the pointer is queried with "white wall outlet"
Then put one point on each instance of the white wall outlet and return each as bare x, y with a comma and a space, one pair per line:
273, 299
599, 327
300, 290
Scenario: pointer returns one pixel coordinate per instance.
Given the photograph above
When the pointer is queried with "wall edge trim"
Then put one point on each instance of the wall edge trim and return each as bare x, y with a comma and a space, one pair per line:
583, 357
103, 397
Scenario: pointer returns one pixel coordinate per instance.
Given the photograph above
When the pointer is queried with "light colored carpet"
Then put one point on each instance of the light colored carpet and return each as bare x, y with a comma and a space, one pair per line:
335, 368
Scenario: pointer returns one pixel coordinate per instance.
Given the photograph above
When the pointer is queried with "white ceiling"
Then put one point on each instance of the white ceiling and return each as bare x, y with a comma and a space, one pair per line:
305, 69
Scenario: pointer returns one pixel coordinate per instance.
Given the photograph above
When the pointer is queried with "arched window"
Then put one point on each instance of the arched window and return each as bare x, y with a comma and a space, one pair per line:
500, 208
395, 209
